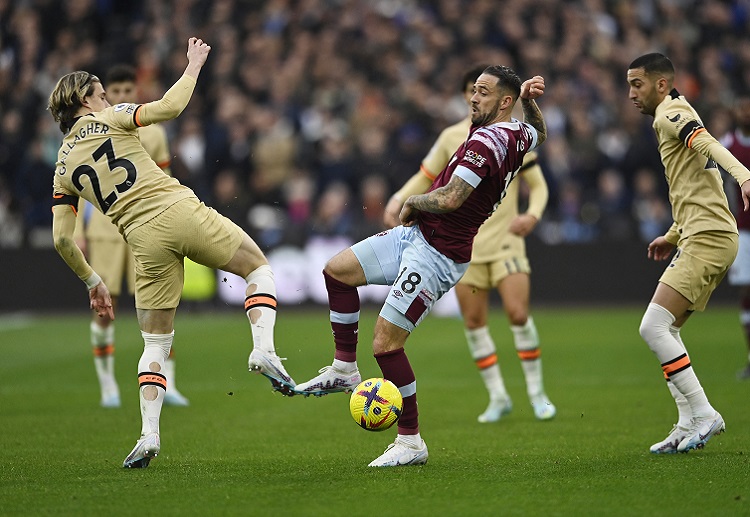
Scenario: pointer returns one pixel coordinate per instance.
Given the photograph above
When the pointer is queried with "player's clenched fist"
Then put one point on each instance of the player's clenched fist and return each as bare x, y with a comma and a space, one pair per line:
197, 50
533, 88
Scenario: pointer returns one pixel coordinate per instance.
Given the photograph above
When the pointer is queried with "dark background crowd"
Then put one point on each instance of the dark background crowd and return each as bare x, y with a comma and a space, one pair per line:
310, 113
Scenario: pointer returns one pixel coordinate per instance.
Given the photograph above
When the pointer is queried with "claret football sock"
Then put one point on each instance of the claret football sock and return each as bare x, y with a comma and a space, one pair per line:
343, 302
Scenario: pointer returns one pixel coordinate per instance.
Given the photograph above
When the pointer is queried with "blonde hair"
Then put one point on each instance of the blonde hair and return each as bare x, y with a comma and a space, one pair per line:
67, 97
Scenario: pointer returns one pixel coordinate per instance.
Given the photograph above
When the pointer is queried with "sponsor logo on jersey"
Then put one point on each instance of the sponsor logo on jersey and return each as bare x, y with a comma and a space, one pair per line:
397, 294
474, 157
674, 119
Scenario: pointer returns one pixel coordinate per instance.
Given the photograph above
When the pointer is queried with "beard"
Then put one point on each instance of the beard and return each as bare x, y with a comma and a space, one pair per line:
484, 119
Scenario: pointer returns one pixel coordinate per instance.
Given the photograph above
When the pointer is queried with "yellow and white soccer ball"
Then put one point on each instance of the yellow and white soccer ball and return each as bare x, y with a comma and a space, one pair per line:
376, 404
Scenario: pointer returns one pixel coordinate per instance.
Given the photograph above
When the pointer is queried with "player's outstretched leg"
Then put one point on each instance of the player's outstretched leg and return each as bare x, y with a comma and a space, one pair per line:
173, 397
343, 375
103, 343
483, 351
526, 341
260, 307
152, 386
409, 448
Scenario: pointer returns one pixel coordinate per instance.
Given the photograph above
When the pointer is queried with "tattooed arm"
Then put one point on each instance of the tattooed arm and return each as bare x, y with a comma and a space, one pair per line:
530, 90
441, 200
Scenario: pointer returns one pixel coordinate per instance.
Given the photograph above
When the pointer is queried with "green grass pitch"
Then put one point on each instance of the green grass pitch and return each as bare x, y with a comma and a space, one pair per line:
240, 449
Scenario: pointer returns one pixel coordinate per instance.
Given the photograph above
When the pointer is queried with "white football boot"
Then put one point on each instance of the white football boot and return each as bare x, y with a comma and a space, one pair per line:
701, 429
146, 448
669, 444
269, 365
174, 398
330, 380
110, 397
543, 408
400, 453
496, 409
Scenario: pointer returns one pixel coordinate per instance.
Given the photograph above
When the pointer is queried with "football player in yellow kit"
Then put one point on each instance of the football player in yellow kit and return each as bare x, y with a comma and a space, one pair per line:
110, 255
102, 160
704, 234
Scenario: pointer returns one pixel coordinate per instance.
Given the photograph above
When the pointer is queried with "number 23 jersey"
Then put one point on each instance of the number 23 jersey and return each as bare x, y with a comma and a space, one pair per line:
102, 160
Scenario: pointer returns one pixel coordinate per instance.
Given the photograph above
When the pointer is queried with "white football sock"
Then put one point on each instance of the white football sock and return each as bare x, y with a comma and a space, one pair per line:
151, 378
413, 440
260, 306
345, 366
483, 351
103, 341
671, 352
526, 340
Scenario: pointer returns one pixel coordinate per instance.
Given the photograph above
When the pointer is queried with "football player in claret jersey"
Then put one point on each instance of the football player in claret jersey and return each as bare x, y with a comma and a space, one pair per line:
422, 259
102, 160
738, 143
498, 261
704, 233
110, 255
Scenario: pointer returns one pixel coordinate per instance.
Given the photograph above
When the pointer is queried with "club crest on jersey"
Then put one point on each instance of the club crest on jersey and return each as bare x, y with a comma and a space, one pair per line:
128, 107
474, 157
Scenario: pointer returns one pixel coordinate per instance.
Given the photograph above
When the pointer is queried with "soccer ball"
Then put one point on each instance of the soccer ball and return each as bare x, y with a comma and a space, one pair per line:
376, 404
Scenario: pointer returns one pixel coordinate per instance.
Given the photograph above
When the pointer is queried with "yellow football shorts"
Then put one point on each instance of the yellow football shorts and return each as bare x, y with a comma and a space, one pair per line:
488, 274
113, 261
186, 229
699, 265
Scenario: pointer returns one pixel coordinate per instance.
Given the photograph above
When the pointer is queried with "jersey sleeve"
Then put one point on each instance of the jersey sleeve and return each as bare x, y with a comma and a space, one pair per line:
62, 195
168, 107
538, 190
161, 156
438, 157
473, 165
531, 134
679, 124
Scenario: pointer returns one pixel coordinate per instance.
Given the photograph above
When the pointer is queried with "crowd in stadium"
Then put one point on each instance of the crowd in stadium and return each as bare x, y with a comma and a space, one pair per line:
310, 113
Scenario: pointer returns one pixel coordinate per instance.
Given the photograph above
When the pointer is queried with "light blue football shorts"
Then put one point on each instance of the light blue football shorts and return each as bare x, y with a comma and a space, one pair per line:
419, 275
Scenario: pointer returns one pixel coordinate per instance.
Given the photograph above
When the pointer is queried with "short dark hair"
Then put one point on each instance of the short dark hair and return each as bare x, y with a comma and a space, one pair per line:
506, 78
653, 63
120, 74
471, 75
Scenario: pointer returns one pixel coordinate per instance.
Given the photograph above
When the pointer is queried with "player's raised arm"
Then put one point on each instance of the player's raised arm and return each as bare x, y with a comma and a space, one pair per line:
63, 226
178, 96
530, 90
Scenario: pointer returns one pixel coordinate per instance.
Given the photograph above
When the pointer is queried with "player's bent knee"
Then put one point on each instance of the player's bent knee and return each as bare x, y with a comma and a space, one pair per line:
655, 323
518, 316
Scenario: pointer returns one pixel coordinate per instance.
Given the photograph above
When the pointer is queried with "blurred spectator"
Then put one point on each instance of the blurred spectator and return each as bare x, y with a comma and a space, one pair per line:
354, 88
652, 213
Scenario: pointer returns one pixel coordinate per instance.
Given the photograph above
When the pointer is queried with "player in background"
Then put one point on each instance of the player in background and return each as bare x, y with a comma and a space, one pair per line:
430, 252
498, 261
102, 160
738, 143
110, 255
704, 232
